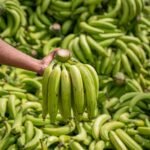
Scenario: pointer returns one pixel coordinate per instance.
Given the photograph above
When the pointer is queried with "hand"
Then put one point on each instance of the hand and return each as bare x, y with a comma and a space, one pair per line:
46, 61
13, 57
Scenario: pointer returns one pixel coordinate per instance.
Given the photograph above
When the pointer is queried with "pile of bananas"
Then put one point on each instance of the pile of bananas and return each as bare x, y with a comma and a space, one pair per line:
108, 111
69, 85
39, 22
120, 123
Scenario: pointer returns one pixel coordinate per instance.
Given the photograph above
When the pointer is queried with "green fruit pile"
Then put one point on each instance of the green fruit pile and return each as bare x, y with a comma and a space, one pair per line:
69, 85
113, 36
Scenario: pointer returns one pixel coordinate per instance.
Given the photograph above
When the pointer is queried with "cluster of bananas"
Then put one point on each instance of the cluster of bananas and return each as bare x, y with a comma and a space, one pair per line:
121, 123
28, 35
63, 10
69, 85
15, 17
114, 37
121, 54
38, 22
113, 49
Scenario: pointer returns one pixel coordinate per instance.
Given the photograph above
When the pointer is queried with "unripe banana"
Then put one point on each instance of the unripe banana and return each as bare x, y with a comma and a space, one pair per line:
115, 140
45, 4
46, 75
82, 133
29, 131
131, 144
7, 31
132, 9
108, 127
86, 48
53, 92
34, 142
75, 145
17, 21
125, 14
90, 91
94, 76
100, 145
65, 94
99, 121
11, 107
3, 106
77, 88
78, 51
66, 27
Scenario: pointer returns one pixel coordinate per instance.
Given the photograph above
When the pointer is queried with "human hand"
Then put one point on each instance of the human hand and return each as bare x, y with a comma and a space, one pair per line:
13, 57
47, 60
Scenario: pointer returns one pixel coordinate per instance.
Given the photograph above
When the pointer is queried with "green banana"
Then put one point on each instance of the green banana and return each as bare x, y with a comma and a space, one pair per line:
93, 44
76, 4
29, 131
90, 91
65, 94
62, 4
102, 24
139, 6
92, 145
115, 140
129, 142
142, 141
53, 92
125, 15
19, 10
21, 141
99, 121
126, 64
78, 51
3, 23
8, 30
89, 29
45, 81
38, 22
33, 143
11, 106
138, 51
42, 16
94, 76
63, 130
132, 9
77, 88
15, 17
104, 130
66, 27
16, 127
3, 106
45, 4
105, 61
67, 40
75, 145
86, 48
100, 145
115, 10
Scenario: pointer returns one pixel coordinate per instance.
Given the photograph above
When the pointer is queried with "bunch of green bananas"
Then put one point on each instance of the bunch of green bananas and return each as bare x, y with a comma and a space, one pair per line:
105, 111
67, 85
29, 35
15, 16
36, 23
122, 120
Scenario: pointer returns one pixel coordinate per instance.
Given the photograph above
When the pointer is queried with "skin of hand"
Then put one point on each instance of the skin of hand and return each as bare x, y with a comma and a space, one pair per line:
13, 57
46, 61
